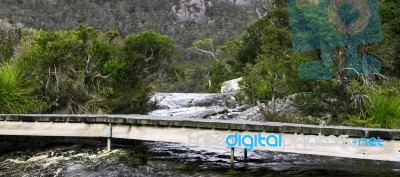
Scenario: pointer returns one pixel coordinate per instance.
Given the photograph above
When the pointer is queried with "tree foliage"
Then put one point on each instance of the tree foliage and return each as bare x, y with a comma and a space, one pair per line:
87, 71
143, 55
268, 63
389, 49
265, 59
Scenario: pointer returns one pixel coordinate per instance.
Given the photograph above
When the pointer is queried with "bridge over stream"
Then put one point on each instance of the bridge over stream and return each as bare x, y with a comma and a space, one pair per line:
339, 141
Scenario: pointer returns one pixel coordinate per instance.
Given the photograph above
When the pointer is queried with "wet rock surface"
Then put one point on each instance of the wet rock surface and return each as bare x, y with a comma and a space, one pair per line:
167, 159
225, 106
196, 105
215, 106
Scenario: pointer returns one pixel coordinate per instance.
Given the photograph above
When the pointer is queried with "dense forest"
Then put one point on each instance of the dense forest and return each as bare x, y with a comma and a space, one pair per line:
183, 21
76, 68
265, 58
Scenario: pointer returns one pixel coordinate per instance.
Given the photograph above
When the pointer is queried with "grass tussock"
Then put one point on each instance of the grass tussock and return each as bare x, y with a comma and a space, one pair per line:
383, 110
16, 94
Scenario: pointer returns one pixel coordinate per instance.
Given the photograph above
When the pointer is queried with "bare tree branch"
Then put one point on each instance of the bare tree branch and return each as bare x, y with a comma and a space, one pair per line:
208, 52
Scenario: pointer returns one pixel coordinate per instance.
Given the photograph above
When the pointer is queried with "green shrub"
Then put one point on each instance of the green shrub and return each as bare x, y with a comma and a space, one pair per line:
359, 121
384, 108
84, 71
17, 96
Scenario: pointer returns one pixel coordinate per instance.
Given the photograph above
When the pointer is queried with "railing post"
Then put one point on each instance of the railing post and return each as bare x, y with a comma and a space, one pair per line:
109, 144
245, 154
232, 158
108, 135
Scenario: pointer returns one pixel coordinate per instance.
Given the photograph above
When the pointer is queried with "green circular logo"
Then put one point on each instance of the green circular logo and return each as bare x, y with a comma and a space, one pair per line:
349, 17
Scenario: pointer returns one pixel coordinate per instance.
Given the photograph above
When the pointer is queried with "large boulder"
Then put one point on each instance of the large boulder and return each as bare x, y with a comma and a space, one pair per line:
231, 86
193, 105
185, 100
252, 114
191, 112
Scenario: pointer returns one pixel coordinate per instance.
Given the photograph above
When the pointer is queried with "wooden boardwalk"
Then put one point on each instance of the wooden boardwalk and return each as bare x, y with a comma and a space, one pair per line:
210, 133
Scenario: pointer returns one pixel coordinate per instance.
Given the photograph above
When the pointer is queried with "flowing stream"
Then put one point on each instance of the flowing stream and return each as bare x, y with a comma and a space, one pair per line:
88, 158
